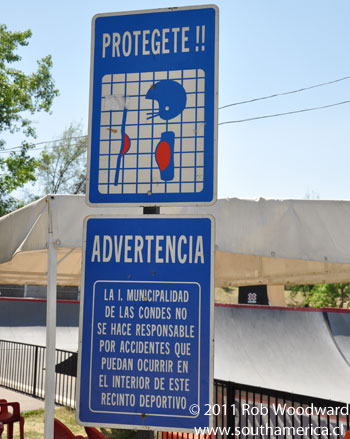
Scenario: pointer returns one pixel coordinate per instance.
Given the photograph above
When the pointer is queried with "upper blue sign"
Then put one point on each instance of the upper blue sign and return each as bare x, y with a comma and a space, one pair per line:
146, 339
153, 107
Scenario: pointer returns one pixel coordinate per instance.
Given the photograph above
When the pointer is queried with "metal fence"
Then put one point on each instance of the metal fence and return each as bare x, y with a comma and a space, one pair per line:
22, 368
238, 410
252, 412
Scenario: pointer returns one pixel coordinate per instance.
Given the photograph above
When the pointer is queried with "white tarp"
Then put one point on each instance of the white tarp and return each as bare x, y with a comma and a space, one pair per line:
263, 241
257, 241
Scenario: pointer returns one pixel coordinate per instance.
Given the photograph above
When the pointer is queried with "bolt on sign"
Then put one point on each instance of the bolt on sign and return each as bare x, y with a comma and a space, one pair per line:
153, 107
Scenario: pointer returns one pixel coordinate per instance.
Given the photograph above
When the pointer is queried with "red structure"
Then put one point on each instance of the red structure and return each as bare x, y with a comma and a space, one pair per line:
9, 417
63, 432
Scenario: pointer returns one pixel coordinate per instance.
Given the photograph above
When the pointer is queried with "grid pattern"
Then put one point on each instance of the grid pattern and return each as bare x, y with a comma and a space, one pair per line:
124, 95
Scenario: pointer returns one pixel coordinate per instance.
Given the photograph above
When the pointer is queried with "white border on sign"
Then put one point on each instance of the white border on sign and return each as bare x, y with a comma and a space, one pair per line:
211, 341
216, 100
198, 340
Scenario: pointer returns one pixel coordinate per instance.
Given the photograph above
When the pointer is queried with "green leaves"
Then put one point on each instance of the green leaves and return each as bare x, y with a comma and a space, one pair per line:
9, 42
333, 295
20, 168
324, 295
20, 95
62, 166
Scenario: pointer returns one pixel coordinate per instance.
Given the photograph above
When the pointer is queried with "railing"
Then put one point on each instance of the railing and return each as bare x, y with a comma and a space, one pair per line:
256, 413
282, 414
22, 368
239, 410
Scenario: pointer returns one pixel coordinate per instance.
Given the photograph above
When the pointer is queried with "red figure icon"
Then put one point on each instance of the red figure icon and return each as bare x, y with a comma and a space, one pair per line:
126, 145
165, 155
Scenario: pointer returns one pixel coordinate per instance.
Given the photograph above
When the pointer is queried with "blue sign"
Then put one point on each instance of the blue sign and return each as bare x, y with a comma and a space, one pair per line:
153, 107
146, 331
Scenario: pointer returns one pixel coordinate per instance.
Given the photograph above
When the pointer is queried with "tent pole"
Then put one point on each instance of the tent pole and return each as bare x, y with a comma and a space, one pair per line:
50, 333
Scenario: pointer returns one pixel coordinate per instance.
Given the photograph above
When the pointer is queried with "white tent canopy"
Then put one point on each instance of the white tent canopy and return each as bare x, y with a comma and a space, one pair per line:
262, 241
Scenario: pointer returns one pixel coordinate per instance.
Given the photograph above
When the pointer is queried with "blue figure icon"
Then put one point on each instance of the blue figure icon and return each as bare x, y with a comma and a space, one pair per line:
124, 147
171, 98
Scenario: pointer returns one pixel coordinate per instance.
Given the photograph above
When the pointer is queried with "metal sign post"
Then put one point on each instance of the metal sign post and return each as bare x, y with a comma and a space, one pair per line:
153, 107
147, 321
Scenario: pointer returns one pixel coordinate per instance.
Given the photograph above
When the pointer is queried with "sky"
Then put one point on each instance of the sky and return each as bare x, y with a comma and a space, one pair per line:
265, 47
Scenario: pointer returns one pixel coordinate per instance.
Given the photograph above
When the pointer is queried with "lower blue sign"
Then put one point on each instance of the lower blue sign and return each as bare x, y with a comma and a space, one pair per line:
146, 329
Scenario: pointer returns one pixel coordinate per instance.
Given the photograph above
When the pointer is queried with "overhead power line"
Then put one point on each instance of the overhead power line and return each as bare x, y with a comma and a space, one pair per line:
285, 93
39, 143
284, 114
36, 149
5, 150
221, 123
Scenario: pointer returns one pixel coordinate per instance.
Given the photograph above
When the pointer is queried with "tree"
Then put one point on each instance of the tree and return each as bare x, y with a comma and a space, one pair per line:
62, 165
20, 95
334, 295
323, 295
304, 289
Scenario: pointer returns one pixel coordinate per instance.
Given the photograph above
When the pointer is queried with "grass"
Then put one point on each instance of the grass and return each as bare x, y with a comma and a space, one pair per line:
294, 300
34, 425
226, 295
